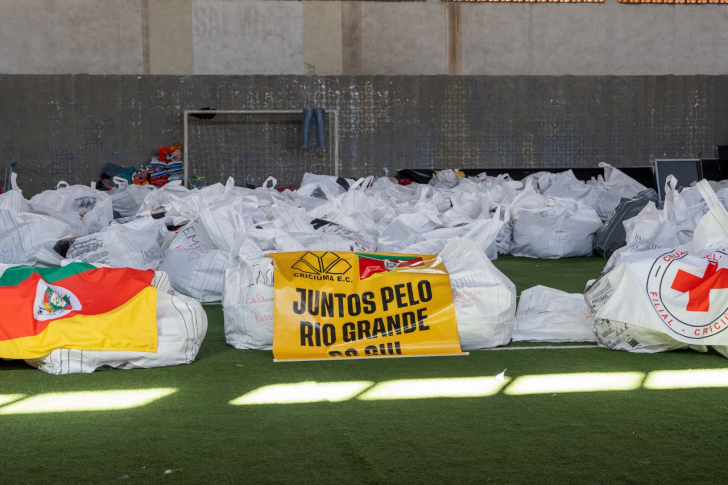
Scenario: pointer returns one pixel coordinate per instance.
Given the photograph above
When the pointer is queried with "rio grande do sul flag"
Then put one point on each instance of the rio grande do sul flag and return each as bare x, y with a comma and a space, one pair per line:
77, 306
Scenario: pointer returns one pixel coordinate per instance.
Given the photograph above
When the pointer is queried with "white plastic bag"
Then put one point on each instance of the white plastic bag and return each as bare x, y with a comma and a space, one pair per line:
119, 245
84, 209
195, 261
126, 199
550, 315
248, 297
484, 298
562, 229
27, 238
13, 199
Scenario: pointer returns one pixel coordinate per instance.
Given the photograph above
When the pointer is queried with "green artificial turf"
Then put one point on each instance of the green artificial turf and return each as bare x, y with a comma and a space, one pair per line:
196, 436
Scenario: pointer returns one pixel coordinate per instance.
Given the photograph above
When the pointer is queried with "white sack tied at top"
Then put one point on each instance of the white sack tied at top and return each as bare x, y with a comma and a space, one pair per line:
550, 315
552, 228
484, 298
195, 261
84, 209
126, 199
27, 238
247, 301
667, 299
13, 199
181, 328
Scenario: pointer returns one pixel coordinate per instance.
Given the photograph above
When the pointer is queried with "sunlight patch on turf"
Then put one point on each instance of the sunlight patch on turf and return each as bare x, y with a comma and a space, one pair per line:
586, 382
434, 388
686, 379
303, 392
56, 402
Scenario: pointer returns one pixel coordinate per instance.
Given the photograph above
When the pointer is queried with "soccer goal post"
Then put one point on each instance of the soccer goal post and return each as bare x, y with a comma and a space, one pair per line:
251, 145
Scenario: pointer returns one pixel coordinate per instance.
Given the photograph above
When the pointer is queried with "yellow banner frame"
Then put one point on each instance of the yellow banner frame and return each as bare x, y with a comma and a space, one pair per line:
346, 305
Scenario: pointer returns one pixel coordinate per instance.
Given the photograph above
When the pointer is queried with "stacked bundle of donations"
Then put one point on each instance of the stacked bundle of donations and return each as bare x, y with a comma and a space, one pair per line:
212, 244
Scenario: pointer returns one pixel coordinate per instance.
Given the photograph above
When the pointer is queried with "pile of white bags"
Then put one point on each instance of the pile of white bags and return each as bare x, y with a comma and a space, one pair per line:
602, 195
669, 227
667, 299
181, 327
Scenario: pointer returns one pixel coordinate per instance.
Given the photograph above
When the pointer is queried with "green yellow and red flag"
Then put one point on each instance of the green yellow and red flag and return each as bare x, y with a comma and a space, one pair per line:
77, 306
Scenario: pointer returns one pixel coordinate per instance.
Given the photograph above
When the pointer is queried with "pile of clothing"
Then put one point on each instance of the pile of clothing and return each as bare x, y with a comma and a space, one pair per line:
166, 167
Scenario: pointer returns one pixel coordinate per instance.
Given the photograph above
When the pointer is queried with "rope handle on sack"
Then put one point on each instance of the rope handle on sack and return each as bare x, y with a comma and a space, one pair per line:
14, 182
362, 183
120, 181
716, 211
497, 223
709, 196
229, 184
272, 180
58, 185
670, 182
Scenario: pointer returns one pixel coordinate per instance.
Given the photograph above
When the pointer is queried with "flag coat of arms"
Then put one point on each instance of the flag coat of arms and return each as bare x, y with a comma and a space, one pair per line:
77, 306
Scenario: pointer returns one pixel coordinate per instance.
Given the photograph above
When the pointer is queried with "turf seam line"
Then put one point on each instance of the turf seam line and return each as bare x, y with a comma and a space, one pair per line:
541, 347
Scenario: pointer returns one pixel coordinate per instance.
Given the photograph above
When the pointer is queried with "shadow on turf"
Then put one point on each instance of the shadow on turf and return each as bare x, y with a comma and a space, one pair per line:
6, 365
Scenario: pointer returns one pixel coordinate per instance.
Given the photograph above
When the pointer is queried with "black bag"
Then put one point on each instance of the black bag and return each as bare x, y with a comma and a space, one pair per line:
612, 235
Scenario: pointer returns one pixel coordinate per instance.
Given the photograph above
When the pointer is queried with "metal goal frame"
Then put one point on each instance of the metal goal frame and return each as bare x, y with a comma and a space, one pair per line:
189, 112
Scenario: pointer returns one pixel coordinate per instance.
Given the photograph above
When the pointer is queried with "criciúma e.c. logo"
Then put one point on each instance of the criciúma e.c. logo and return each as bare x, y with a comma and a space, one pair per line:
690, 294
326, 266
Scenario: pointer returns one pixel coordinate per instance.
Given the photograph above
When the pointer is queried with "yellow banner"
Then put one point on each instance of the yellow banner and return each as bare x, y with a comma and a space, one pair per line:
361, 305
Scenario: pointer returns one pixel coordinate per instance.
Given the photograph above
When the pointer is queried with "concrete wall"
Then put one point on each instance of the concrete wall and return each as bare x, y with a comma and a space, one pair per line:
85, 82
359, 38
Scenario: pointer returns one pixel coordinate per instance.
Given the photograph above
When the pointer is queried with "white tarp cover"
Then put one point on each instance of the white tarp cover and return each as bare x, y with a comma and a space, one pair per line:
181, 327
550, 315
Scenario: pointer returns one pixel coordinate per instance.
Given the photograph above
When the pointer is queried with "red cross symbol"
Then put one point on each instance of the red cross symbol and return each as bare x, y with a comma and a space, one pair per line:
699, 288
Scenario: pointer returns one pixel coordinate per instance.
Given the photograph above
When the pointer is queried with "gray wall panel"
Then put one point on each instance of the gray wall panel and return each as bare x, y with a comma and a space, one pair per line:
67, 127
